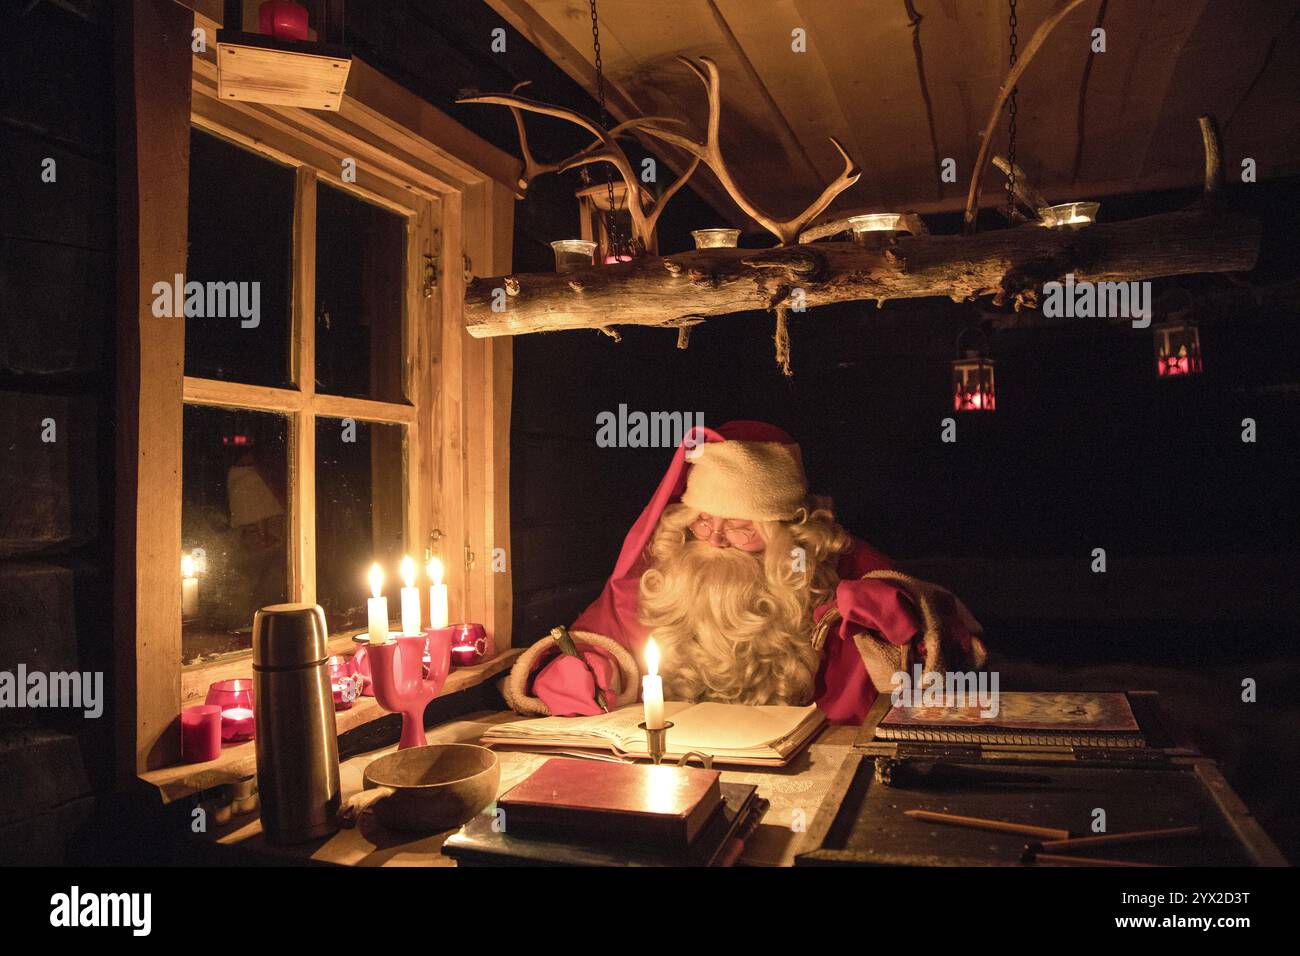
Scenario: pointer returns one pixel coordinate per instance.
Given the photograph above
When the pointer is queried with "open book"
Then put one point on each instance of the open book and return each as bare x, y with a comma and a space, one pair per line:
764, 735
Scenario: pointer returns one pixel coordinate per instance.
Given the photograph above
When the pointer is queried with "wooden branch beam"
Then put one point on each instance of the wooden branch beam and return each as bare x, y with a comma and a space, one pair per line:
1007, 264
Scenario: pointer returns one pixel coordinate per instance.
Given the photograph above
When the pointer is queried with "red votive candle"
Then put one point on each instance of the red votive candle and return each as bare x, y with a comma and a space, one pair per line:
200, 733
235, 698
468, 644
283, 20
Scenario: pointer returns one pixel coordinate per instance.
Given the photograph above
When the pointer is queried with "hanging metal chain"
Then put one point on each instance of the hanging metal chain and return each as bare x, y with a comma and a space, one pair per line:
611, 221
1010, 126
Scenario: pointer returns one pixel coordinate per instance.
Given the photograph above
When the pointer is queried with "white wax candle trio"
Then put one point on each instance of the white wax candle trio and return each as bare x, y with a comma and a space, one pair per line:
377, 605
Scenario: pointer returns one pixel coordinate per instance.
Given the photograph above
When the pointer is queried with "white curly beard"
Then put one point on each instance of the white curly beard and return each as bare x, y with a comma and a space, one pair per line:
731, 625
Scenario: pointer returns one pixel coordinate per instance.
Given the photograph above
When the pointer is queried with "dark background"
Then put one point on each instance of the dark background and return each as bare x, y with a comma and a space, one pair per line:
1087, 449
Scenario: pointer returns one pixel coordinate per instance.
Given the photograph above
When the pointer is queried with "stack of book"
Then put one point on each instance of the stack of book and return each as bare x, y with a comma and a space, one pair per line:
576, 812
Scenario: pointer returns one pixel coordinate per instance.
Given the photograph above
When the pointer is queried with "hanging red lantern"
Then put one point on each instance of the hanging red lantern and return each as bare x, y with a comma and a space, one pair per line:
283, 19
1178, 347
974, 388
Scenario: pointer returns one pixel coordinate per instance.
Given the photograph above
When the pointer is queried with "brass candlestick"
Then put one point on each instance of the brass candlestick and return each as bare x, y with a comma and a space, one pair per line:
657, 746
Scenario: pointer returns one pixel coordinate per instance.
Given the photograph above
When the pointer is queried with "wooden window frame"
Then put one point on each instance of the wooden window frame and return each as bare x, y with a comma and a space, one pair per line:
455, 192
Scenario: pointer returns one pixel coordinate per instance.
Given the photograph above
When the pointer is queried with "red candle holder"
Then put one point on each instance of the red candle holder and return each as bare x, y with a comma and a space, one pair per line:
469, 644
235, 698
344, 682
283, 19
200, 733
361, 664
400, 683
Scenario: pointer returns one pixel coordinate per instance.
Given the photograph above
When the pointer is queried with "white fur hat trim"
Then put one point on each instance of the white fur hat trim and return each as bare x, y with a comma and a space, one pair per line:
751, 481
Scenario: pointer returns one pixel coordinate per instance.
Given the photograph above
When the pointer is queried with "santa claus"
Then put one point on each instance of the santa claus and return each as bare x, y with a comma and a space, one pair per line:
753, 594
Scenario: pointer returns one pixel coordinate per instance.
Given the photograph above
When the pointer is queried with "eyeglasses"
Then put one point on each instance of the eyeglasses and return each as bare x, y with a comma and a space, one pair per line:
739, 533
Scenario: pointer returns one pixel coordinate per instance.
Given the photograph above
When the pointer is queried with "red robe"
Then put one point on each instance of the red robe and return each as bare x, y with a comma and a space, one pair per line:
843, 690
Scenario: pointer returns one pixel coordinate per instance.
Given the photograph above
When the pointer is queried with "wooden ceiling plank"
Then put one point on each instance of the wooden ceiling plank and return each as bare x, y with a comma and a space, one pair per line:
964, 81
914, 20
1080, 127
1270, 61
868, 69
782, 124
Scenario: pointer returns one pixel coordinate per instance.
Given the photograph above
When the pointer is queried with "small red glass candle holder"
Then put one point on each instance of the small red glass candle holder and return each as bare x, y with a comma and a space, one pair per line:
469, 644
235, 698
200, 733
344, 682
283, 19
361, 664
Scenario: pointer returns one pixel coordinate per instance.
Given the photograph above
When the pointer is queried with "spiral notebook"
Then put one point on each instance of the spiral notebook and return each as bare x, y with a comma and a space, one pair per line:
1036, 719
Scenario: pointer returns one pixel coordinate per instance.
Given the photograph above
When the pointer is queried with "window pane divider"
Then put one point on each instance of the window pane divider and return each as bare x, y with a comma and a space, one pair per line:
365, 409
302, 448
263, 398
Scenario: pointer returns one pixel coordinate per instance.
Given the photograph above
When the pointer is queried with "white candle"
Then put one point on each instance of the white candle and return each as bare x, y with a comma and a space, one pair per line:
189, 589
410, 600
437, 595
377, 606
652, 688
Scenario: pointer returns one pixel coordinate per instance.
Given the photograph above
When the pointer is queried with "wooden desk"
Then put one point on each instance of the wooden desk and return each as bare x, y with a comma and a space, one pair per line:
795, 792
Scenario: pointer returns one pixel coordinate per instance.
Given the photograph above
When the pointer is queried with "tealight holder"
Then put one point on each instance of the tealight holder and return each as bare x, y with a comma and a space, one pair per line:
884, 224
656, 743
469, 644
345, 683
716, 238
401, 683
361, 663
235, 698
571, 254
1073, 215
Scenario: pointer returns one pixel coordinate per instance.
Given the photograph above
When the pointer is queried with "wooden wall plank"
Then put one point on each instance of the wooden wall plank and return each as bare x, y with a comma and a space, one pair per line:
501, 367
152, 86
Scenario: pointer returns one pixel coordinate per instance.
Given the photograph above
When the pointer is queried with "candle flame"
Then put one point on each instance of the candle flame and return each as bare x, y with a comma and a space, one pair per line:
408, 571
434, 570
376, 579
652, 657
187, 566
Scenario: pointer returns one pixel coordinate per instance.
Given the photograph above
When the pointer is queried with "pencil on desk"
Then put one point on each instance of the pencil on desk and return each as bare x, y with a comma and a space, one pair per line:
1112, 839
1071, 860
979, 823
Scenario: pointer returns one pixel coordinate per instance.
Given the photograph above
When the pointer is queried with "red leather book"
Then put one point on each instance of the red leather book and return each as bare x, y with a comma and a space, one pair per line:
612, 803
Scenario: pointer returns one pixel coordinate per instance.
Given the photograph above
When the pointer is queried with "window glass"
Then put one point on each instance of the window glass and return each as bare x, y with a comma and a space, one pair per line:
234, 525
360, 269
238, 291
359, 517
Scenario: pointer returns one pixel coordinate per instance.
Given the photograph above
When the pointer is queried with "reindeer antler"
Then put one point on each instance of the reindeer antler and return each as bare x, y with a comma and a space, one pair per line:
710, 153
532, 168
604, 149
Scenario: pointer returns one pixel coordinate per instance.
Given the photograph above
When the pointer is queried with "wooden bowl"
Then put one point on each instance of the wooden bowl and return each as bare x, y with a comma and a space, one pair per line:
435, 787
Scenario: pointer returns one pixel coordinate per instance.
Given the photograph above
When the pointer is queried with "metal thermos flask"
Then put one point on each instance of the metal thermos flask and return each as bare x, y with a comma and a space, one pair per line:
297, 745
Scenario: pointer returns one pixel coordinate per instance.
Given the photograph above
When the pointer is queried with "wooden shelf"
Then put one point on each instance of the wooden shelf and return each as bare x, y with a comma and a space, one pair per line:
238, 761
261, 69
